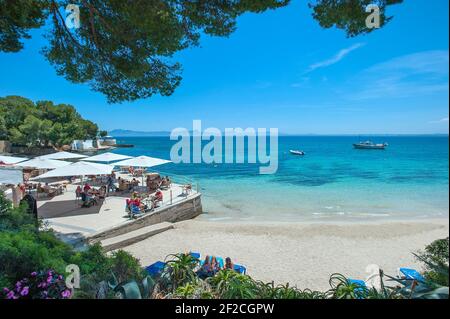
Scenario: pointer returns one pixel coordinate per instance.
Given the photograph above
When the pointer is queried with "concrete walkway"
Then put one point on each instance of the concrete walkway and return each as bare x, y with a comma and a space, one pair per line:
64, 214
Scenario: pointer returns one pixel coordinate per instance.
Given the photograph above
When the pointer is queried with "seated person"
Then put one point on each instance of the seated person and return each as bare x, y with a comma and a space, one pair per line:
215, 265
206, 270
135, 182
228, 264
87, 200
86, 187
157, 198
165, 183
136, 201
92, 195
187, 189
51, 192
123, 185
102, 192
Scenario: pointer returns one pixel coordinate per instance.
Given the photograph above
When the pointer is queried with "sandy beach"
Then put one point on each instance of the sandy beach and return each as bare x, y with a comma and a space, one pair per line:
303, 254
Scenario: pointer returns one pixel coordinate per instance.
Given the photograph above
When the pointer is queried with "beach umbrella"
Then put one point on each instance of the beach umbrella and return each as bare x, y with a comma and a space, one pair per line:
78, 169
7, 160
107, 158
11, 176
142, 161
40, 163
62, 156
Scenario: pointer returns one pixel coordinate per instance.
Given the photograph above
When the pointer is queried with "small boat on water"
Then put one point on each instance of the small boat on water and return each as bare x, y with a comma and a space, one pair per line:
369, 145
298, 153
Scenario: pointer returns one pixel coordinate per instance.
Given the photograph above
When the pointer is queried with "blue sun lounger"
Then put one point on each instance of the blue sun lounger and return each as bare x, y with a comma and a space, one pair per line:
240, 269
412, 274
156, 268
357, 282
361, 287
195, 255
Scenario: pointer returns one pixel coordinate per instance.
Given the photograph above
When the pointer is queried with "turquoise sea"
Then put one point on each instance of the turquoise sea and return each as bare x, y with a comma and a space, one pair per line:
410, 179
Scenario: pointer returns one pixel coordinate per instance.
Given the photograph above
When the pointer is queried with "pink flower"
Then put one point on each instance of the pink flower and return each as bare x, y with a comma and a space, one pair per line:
25, 291
42, 285
34, 274
66, 293
11, 295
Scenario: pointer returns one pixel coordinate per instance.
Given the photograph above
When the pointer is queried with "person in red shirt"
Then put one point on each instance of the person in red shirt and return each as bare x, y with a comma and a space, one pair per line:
86, 188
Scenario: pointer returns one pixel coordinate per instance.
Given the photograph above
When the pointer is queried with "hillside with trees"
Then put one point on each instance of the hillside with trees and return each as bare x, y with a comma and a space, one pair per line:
42, 124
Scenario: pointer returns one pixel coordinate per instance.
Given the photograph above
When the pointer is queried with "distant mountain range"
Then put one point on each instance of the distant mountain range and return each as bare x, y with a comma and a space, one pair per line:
130, 133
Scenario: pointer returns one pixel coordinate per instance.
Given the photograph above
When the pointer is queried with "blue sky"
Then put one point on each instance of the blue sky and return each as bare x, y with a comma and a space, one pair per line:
280, 69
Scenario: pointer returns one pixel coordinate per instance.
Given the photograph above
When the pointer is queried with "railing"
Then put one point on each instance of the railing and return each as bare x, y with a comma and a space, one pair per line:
182, 180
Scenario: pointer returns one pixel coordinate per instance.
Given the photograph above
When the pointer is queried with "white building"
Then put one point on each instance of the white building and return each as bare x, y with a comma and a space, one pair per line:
88, 145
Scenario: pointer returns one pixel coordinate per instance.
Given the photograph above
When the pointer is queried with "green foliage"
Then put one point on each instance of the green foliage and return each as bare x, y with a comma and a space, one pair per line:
24, 252
3, 129
125, 49
103, 134
42, 123
16, 219
16, 19
342, 288
436, 260
229, 284
270, 291
126, 267
180, 270
198, 290
24, 249
349, 15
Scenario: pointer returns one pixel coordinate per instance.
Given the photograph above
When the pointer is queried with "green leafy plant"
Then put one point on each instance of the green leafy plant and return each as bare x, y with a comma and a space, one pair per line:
42, 124
229, 284
180, 270
436, 260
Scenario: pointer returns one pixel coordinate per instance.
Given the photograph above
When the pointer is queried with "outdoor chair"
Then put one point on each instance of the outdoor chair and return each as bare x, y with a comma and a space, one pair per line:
240, 269
411, 274
155, 269
361, 287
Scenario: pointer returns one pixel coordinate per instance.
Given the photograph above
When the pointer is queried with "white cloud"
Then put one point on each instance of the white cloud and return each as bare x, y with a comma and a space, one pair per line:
335, 59
441, 121
410, 75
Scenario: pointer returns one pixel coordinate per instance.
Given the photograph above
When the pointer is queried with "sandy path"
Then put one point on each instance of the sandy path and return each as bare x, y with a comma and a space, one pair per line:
301, 254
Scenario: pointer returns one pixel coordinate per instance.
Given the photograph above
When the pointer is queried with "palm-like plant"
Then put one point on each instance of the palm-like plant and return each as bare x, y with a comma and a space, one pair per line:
342, 288
198, 290
229, 284
180, 270
186, 291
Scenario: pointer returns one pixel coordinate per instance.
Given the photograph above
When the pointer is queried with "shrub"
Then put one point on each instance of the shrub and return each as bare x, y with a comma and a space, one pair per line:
436, 259
39, 285
125, 267
24, 252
